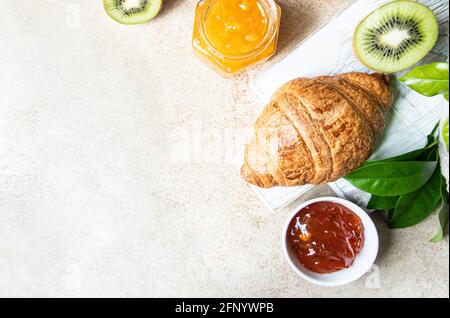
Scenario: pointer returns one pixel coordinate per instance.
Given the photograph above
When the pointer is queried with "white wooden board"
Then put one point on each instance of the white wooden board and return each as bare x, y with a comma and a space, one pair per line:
329, 51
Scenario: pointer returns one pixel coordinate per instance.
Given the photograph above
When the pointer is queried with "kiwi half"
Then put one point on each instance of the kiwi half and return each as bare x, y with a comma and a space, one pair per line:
396, 36
132, 11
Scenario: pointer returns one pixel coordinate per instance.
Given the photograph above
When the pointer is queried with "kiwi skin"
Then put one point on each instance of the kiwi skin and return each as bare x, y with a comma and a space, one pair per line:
419, 57
106, 4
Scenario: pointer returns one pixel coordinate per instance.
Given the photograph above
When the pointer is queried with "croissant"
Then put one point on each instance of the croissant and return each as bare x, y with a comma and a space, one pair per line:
316, 131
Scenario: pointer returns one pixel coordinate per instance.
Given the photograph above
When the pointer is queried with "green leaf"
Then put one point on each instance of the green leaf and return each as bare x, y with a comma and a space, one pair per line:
443, 220
443, 212
428, 80
392, 178
410, 156
444, 193
382, 203
445, 133
389, 214
415, 207
415, 155
432, 138
432, 156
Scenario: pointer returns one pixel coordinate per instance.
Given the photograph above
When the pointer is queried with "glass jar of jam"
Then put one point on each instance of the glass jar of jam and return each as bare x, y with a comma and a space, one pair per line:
234, 34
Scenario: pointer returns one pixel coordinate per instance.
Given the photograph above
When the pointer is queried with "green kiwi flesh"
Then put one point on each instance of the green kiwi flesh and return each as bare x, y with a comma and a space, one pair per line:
132, 11
396, 36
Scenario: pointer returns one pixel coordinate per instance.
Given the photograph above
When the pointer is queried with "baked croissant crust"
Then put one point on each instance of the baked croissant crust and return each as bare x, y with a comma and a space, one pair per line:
316, 131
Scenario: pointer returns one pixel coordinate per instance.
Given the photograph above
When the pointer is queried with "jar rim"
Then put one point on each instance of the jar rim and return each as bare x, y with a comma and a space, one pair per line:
271, 9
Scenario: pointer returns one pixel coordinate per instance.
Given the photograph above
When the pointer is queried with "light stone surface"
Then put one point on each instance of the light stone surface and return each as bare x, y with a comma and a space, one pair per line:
116, 166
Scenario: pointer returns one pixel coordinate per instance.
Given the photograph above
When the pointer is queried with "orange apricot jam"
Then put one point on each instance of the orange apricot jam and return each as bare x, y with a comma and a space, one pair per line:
325, 237
234, 34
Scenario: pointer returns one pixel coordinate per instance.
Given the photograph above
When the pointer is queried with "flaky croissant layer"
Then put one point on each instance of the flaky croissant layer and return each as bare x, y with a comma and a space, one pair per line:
316, 131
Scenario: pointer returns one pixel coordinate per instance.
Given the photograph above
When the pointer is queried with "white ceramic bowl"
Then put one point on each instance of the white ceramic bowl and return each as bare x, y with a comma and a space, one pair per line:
363, 260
